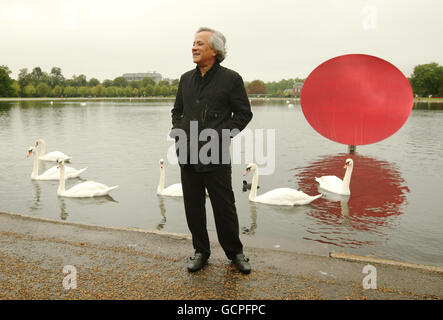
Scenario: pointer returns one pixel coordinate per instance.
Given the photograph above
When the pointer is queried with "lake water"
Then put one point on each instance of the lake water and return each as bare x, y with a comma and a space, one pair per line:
394, 211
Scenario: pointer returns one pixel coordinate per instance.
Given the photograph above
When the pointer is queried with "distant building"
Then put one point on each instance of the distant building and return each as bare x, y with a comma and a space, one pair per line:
296, 89
139, 76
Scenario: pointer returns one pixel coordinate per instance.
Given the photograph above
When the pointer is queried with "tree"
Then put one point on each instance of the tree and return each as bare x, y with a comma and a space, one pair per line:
120, 82
163, 83
148, 81
149, 90
79, 81
110, 91
56, 77
107, 83
164, 90
97, 91
427, 79
16, 89
43, 89
29, 90
173, 90
84, 91
128, 91
120, 92
135, 84
69, 83
24, 78
6, 89
57, 91
93, 82
256, 87
70, 91
156, 91
37, 76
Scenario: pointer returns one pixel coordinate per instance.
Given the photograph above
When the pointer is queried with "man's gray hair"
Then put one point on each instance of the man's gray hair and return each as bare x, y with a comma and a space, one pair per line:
217, 41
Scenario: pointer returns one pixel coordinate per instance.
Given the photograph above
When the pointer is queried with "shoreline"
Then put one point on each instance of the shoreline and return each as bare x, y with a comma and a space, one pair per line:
39, 248
126, 98
430, 100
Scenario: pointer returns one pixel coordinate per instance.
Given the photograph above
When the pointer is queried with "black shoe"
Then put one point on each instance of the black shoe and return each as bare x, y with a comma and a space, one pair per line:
197, 262
242, 263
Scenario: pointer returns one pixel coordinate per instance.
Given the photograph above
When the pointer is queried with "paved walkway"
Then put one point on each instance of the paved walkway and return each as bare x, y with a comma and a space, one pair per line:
135, 264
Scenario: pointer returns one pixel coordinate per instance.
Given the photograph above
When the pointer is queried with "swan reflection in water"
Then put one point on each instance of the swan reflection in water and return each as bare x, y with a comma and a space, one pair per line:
36, 202
82, 201
63, 213
378, 195
161, 205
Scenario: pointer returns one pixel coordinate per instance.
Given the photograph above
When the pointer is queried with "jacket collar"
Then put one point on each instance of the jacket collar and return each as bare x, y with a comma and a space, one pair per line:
210, 72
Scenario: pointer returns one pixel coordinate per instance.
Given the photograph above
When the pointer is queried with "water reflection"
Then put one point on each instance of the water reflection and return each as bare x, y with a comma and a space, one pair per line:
5, 109
91, 200
63, 213
428, 105
251, 229
161, 205
36, 201
378, 193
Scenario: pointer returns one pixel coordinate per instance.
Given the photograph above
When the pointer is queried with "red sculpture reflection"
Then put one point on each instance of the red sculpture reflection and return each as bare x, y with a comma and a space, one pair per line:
378, 192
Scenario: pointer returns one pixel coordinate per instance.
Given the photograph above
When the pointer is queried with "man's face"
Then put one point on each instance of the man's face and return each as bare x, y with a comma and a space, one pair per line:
202, 53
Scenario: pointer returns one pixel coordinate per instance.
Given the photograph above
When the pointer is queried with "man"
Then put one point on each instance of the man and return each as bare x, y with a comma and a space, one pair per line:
210, 97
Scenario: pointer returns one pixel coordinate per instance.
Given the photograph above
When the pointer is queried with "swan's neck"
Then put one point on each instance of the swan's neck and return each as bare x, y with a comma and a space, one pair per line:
253, 192
34, 173
347, 180
43, 144
161, 182
61, 185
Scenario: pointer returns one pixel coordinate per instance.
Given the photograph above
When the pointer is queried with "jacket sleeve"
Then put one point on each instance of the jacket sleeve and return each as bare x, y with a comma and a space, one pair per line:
177, 110
240, 106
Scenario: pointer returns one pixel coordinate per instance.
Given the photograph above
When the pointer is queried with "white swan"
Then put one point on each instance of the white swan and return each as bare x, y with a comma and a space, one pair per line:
81, 190
51, 156
174, 190
280, 196
335, 184
52, 173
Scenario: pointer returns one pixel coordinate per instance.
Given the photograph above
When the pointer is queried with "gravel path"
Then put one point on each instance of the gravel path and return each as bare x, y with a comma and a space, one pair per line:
115, 263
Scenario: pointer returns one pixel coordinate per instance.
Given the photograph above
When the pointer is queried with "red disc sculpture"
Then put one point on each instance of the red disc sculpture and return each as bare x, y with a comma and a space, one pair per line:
356, 99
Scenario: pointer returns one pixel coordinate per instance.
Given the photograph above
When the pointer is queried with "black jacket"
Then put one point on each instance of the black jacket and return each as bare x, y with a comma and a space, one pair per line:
218, 101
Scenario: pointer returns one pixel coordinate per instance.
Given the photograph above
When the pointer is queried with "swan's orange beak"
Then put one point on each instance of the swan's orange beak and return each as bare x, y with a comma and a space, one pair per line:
29, 154
346, 165
246, 171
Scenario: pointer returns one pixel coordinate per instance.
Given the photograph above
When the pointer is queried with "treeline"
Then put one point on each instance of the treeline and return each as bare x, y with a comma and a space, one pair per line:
38, 83
282, 88
426, 80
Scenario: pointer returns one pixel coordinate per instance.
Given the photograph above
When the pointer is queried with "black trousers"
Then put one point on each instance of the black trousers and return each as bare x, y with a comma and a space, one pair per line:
219, 186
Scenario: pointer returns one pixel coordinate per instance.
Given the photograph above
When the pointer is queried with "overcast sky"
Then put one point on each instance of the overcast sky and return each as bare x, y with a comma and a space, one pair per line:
267, 40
